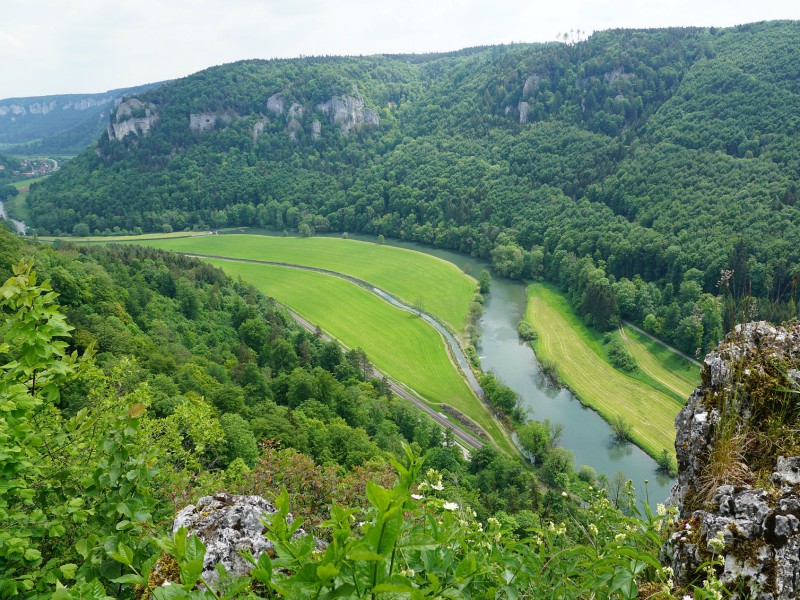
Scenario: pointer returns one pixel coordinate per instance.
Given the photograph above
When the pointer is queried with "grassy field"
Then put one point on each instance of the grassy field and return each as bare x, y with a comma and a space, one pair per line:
397, 342
444, 290
16, 206
672, 371
565, 340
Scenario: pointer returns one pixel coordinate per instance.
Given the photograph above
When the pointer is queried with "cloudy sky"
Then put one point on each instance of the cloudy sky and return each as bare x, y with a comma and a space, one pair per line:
81, 46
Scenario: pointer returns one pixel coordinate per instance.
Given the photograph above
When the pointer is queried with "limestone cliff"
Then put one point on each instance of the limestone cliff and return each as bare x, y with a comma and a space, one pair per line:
738, 486
348, 112
208, 121
132, 116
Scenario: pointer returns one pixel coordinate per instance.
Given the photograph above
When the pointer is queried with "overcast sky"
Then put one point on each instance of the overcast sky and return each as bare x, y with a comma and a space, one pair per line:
81, 46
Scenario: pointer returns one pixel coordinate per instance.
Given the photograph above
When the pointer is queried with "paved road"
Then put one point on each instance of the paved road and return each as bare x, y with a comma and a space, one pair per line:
456, 353
658, 341
464, 438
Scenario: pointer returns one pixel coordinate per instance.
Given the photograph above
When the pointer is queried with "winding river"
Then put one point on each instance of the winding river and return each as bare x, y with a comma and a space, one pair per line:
586, 435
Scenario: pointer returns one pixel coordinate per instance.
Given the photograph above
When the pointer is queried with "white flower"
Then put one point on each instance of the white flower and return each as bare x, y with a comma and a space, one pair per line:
437, 486
593, 528
661, 509
450, 506
717, 543
564, 494
417, 496
619, 537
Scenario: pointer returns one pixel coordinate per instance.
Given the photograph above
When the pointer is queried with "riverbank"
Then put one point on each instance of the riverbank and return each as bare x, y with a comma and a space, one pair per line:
565, 340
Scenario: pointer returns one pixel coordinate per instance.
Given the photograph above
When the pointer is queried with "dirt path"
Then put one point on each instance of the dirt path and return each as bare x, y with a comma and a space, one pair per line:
658, 341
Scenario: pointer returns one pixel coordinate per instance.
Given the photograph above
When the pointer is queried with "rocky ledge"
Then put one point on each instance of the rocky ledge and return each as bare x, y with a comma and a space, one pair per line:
738, 486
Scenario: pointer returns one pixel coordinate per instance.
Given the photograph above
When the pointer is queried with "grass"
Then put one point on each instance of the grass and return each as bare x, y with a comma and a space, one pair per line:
444, 290
673, 372
397, 342
578, 353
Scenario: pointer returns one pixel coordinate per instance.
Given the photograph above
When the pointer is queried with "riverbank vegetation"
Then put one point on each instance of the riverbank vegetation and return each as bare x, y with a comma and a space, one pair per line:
554, 161
156, 376
583, 366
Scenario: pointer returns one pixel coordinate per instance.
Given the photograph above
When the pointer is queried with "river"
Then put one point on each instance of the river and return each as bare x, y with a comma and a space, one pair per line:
21, 227
586, 435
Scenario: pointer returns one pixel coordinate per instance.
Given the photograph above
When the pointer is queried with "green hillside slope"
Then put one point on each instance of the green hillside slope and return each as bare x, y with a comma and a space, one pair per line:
632, 168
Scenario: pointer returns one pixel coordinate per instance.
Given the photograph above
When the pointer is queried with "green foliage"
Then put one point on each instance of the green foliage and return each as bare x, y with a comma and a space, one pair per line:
526, 331
484, 281
618, 355
582, 194
422, 545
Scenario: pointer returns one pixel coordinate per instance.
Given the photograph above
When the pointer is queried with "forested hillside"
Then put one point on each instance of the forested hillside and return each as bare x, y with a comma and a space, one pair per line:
59, 124
146, 379
652, 174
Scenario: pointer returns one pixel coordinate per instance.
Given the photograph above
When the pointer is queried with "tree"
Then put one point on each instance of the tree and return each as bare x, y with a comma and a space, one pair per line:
484, 281
534, 437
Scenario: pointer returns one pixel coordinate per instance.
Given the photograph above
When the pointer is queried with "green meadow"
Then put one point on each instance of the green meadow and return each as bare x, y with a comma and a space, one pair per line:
397, 342
663, 365
445, 291
582, 367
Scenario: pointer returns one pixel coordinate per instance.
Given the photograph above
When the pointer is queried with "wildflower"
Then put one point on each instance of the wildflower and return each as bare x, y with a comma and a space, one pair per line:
407, 572
717, 543
437, 486
593, 528
661, 509
493, 522
417, 496
450, 506
619, 537
564, 494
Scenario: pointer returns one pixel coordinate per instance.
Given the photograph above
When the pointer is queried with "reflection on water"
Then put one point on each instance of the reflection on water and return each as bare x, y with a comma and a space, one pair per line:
587, 435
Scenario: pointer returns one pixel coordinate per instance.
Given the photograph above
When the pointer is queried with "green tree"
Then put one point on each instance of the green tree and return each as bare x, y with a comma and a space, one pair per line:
484, 281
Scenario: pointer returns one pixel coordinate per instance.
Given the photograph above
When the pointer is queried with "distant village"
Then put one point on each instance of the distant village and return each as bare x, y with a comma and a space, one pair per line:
35, 167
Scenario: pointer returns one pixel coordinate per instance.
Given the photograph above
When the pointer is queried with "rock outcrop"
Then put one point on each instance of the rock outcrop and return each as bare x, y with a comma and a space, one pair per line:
276, 104
530, 85
132, 116
209, 121
226, 524
523, 108
738, 486
348, 112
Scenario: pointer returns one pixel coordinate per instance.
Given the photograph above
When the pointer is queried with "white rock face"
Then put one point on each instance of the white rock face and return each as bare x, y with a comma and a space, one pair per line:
208, 121
13, 109
258, 129
316, 129
41, 108
524, 108
124, 122
276, 103
348, 112
86, 103
227, 524
530, 83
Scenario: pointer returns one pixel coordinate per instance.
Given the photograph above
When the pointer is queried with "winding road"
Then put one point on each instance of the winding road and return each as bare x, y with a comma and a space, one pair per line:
467, 440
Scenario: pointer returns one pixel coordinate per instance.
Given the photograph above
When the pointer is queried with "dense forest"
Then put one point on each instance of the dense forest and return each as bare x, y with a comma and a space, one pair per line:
135, 381
651, 173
